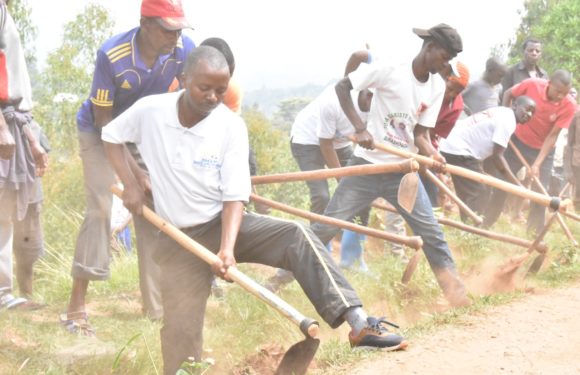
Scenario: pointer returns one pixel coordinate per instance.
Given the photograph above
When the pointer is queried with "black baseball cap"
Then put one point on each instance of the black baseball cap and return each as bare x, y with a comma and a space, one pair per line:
444, 35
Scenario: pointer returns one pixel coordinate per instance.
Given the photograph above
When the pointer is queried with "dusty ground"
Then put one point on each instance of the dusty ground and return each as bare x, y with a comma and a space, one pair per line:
539, 334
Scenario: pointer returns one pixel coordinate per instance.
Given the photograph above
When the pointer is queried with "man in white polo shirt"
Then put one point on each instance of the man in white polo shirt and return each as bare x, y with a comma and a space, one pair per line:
197, 152
484, 135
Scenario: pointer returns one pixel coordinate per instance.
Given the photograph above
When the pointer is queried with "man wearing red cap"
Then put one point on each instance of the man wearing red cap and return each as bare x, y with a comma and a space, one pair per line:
140, 62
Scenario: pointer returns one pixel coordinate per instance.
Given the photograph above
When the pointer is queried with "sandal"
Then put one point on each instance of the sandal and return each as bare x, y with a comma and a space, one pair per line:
9, 302
77, 323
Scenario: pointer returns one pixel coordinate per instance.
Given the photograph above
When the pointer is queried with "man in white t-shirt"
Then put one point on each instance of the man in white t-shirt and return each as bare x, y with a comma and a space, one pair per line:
197, 152
319, 138
484, 135
405, 105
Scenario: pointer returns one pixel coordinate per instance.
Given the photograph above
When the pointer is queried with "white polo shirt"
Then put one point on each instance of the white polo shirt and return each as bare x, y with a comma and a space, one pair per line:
324, 118
476, 135
399, 103
192, 170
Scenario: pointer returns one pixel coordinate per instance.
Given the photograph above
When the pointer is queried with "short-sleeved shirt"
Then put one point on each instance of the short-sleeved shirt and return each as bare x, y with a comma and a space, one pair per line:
121, 77
548, 114
193, 170
480, 95
15, 89
476, 135
399, 103
324, 118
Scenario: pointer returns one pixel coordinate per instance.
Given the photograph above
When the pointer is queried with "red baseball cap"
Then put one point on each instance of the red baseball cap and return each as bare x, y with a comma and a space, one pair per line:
168, 12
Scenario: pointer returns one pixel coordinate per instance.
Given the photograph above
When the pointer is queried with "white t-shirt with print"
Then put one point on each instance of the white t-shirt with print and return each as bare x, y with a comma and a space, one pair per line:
476, 135
324, 118
192, 170
399, 103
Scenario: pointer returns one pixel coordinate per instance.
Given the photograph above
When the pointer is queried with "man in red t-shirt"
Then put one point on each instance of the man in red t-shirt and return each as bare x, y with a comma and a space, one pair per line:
554, 112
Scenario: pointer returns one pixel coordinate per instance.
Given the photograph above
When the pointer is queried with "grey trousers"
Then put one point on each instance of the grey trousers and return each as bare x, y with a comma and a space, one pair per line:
93, 247
186, 279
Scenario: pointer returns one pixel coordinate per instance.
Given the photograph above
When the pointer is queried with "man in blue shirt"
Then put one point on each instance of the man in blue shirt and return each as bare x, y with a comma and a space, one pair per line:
140, 62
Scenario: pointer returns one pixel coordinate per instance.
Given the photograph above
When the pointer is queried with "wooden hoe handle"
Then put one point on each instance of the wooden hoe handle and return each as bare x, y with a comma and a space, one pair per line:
553, 202
415, 241
321, 174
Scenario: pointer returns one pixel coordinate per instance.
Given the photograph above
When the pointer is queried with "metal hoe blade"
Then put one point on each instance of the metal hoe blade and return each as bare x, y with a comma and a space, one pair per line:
407, 193
298, 357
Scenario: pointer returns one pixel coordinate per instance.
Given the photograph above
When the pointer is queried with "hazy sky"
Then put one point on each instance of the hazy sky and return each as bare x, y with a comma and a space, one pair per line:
291, 43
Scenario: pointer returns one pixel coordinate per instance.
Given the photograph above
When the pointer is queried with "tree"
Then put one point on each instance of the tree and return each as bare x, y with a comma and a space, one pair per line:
69, 71
69, 68
287, 111
557, 24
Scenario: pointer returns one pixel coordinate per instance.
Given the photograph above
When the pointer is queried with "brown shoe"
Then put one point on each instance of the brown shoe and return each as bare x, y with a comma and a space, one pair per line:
376, 336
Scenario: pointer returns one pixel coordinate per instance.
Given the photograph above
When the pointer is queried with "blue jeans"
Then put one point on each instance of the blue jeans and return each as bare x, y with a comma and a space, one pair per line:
498, 197
431, 189
355, 192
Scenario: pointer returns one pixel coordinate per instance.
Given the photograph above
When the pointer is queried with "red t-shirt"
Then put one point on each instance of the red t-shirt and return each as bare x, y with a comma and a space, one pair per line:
448, 115
548, 114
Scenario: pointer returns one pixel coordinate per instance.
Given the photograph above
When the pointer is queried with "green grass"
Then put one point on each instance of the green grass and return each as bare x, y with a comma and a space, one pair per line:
238, 327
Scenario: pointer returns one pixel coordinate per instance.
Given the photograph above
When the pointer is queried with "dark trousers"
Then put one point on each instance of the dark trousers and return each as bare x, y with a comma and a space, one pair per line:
472, 193
497, 199
186, 279
309, 158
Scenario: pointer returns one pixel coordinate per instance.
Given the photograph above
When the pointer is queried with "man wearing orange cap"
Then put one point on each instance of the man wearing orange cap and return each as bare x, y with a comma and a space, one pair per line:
140, 62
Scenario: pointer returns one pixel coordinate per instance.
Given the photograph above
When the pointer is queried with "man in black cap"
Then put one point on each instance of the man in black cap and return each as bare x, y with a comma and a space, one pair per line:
407, 99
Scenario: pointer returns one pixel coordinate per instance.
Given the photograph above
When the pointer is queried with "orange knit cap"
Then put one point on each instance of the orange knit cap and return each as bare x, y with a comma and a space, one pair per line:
459, 74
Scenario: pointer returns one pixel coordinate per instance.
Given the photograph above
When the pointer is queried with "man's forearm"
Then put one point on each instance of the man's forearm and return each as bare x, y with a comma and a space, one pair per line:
342, 89
506, 100
547, 147
117, 156
328, 153
231, 221
423, 141
503, 167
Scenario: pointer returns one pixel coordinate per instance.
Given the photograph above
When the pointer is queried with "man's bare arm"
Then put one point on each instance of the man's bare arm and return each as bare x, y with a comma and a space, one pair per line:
329, 153
546, 148
231, 221
104, 115
133, 194
502, 165
362, 136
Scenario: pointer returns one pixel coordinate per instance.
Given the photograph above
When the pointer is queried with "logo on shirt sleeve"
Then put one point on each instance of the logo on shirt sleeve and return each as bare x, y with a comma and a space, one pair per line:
126, 85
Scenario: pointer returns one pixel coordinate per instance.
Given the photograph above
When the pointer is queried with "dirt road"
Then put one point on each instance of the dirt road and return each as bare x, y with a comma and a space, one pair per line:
539, 334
